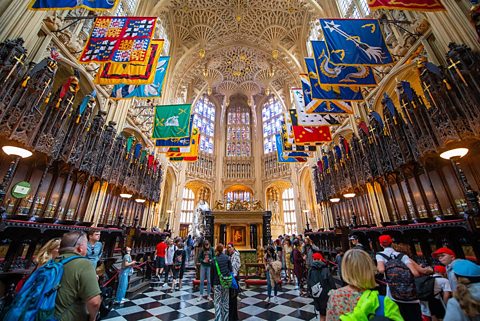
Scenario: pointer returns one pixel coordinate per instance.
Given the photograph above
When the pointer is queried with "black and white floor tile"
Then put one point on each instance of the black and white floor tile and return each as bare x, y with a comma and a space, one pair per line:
158, 303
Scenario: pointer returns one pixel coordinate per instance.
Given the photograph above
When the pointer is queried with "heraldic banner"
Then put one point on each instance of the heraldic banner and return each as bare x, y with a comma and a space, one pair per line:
119, 39
172, 121
414, 5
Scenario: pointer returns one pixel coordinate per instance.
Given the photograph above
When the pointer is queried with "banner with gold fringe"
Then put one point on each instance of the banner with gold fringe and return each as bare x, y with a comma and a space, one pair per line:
119, 39
413, 5
139, 73
147, 91
94, 5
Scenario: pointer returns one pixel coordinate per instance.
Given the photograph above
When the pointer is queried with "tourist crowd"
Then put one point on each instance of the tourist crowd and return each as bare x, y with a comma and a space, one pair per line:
353, 285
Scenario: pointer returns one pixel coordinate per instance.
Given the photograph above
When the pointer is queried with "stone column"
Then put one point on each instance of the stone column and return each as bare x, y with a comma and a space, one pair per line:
452, 25
220, 139
17, 21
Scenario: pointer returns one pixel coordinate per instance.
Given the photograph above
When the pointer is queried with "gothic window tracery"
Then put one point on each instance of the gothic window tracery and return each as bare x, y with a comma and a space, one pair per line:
186, 214
272, 118
238, 132
204, 119
290, 218
353, 8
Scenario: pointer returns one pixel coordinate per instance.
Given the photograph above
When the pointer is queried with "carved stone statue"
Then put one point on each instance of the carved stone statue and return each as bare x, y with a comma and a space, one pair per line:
219, 205
257, 206
198, 225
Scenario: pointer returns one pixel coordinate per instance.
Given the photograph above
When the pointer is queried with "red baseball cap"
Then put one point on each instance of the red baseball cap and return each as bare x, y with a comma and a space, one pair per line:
439, 269
443, 250
385, 240
318, 257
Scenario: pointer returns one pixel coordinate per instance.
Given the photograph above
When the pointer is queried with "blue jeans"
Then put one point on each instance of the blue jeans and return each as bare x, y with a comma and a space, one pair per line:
122, 285
269, 286
205, 274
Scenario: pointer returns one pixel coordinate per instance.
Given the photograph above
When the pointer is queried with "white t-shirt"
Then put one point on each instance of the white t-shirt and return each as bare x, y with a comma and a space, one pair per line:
390, 252
441, 285
169, 254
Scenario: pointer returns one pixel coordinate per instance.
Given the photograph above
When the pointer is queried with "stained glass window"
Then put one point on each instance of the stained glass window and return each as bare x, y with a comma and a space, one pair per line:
204, 120
353, 8
238, 131
272, 118
289, 211
126, 8
186, 214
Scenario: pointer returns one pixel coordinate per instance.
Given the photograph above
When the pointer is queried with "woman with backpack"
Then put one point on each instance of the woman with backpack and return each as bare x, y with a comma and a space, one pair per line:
124, 275
179, 259
357, 301
222, 268
287, 252
273, 268
465, 304
205, 258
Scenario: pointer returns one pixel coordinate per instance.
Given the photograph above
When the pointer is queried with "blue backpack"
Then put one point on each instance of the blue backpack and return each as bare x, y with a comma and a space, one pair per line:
36, 299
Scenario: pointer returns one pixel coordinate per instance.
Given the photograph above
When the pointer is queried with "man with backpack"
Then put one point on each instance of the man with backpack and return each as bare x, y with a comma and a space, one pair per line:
65, 289
319, 283
400, 277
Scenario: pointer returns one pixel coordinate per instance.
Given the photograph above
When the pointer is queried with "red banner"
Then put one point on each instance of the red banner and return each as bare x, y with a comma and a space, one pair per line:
308, 135
415, 5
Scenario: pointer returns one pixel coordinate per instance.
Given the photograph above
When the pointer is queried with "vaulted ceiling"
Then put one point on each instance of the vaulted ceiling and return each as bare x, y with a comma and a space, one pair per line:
236, 46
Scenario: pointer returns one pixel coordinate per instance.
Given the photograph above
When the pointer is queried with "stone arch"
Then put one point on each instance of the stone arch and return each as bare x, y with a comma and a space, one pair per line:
139, 137
167, 197
310, 211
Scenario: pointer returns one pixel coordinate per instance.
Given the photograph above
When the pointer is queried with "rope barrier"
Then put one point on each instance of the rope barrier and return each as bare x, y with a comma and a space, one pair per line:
111, 279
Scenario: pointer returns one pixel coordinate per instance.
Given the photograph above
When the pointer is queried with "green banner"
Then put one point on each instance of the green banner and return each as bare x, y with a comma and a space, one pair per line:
172, 121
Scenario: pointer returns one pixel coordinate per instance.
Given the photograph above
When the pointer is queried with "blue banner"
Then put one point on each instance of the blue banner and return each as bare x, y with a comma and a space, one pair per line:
280, 157
355, 42
153, 90
329, 92
96, 5
333, 74
320, 106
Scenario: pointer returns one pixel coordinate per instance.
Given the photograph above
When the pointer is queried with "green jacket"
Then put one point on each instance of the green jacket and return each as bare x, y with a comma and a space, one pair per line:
368, 304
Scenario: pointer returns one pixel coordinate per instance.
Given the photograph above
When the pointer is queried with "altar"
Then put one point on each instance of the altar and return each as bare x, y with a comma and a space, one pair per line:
245, 229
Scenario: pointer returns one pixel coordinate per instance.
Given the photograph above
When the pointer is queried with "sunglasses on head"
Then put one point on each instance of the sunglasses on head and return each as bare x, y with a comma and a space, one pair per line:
80, 234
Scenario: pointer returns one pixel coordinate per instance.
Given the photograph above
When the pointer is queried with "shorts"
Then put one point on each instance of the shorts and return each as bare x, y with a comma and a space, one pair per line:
159, 262
436, 308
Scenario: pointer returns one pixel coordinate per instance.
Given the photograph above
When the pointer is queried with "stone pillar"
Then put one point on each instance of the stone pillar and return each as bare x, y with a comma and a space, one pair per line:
257, 152
219, 149
17, 21
452, 26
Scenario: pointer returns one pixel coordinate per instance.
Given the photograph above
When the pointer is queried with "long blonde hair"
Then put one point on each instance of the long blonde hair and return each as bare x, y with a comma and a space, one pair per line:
45, 253
469, 305
358, 269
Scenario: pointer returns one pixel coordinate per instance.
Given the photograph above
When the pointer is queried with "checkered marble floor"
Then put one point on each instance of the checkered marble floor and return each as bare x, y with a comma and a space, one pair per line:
157, 303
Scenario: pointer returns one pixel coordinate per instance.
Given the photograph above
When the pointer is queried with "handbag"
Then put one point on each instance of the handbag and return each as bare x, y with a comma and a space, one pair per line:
225, 281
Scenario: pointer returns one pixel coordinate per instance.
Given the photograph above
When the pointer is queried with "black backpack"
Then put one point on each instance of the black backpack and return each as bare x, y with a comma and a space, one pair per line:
425, 286
399, 278
178, 259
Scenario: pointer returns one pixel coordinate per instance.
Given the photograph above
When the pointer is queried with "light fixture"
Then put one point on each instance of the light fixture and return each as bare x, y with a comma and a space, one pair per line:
452, 153
126, 195
17, 151
335, 200
139, 200
349, 195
